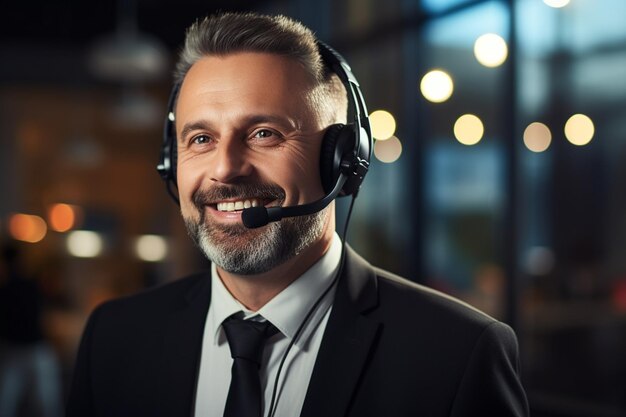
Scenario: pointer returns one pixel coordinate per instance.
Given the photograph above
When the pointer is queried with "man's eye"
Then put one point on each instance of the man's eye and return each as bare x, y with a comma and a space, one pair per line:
263, 133
201, 139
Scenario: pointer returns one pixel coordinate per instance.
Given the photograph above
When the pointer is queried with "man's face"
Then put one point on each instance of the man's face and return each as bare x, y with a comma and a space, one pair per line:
248, 135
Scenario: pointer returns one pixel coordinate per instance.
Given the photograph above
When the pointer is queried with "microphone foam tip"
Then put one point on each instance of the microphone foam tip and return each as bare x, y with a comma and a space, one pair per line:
254, 217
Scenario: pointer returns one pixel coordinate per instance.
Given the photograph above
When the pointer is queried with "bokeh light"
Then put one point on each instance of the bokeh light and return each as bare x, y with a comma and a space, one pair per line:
84, 243
491, 50
383, 124
388, 151
62, 217
537, 137
437, 86
539, 260
151, 248
556, 3
27, 228
468, 129
579, 129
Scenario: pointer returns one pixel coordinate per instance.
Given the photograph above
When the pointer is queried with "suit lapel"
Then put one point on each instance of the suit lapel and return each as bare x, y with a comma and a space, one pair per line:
348, 338
182, 344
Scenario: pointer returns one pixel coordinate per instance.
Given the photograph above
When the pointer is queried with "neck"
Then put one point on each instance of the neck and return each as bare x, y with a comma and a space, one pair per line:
254, 291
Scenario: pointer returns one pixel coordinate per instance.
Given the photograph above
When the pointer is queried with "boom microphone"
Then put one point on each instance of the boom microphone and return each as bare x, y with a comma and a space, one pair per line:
254, 217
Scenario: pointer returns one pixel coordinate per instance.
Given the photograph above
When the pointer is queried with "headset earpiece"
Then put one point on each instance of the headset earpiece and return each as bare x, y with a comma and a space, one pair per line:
346, 148
337, 150
167, 158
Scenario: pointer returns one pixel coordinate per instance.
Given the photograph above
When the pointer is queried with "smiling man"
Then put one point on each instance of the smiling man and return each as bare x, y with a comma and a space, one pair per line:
289, 321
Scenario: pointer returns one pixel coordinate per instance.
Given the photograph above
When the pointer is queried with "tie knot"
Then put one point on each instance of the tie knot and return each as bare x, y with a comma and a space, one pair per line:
246, 338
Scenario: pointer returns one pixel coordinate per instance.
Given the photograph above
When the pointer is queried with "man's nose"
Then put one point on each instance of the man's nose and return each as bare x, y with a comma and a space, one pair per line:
230, 161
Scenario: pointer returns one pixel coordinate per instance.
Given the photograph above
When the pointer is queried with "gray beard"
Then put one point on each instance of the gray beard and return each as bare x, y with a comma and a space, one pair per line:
242, 251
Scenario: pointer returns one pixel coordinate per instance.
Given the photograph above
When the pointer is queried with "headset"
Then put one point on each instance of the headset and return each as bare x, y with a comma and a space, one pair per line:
344, 157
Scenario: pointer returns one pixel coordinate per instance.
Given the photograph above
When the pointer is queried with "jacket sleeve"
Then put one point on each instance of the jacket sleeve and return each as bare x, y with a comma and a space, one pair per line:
490, 385
80, 399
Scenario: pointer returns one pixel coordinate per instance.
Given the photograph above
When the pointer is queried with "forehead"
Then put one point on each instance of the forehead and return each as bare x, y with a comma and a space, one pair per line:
248, 78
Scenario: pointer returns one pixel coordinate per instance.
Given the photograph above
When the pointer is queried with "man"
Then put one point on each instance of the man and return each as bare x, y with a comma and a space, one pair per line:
254, 101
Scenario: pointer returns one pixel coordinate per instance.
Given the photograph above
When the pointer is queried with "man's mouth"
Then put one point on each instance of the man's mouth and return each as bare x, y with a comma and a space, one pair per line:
237, 205
232, 200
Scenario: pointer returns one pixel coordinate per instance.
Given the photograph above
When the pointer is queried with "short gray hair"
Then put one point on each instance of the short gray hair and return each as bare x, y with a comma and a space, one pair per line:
229, 33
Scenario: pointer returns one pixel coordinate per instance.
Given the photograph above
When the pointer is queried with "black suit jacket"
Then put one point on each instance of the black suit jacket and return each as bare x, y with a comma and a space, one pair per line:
391, 348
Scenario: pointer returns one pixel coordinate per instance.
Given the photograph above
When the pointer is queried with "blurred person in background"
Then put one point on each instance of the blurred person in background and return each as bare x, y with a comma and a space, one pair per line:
29, 370
289, 321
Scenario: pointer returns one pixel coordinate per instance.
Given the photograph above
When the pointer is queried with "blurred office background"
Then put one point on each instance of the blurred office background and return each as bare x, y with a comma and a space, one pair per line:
499, 173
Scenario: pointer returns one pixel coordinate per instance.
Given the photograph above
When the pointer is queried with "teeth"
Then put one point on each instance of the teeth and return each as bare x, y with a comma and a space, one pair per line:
237, 205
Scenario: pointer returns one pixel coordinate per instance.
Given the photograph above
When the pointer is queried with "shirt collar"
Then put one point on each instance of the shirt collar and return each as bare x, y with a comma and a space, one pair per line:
286, 310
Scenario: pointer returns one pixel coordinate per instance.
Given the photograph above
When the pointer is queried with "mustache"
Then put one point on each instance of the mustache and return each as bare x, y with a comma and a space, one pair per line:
264, 191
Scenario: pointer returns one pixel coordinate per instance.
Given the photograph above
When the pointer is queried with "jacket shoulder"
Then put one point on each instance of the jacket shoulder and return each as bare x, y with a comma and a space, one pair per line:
399, 296
157, 301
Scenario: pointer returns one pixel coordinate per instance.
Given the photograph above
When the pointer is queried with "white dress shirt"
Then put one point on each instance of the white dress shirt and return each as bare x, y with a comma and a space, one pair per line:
286, 311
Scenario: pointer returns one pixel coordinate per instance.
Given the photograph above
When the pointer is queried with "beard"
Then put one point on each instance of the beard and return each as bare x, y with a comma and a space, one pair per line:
242, 251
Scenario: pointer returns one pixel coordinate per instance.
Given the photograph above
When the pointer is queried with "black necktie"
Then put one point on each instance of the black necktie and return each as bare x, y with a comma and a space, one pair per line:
246, 339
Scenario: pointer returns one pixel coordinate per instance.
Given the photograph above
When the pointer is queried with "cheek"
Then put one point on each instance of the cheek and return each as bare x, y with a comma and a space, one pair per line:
189, 179
299, 173
187, 208
304, 155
